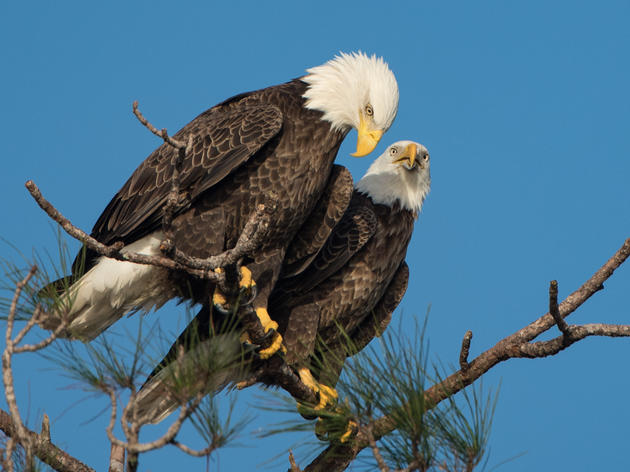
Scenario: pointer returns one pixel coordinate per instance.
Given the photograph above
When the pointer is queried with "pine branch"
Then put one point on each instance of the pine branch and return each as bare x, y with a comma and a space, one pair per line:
338, 456
32, 443
382, 465
44, 449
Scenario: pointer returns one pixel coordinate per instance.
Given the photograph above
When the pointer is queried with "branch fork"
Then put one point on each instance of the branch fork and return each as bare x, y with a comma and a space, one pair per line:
519, 344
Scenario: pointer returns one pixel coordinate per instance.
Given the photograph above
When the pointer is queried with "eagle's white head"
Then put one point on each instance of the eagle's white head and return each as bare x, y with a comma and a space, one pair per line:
401, 174
354, 91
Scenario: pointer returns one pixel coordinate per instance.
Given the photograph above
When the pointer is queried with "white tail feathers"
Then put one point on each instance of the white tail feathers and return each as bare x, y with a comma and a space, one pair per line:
112, 288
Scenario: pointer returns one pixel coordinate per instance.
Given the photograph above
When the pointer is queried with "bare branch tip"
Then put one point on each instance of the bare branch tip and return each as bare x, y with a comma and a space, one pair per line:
465, 350
45, 434
294, 466
554, 309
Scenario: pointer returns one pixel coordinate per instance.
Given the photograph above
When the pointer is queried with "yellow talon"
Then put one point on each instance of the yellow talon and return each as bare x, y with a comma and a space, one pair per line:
349, 431
327, 395
246, 282
269, 324
275, 346
246, 278
307, 379
266, 322
218, 298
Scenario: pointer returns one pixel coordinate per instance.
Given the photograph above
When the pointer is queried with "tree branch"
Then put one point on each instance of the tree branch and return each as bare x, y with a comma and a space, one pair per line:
116, 459
160, 133
382, 465
195, 452
338, 456
45, 450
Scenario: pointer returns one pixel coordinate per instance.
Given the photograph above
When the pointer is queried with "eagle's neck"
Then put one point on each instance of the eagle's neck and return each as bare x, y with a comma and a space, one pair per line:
395, 185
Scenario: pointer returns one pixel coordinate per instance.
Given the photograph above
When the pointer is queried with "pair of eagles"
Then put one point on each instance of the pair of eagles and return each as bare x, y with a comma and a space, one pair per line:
334, 253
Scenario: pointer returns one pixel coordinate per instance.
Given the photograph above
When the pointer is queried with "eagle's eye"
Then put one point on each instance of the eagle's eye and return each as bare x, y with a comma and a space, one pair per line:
369, 111
425, 157
393, 151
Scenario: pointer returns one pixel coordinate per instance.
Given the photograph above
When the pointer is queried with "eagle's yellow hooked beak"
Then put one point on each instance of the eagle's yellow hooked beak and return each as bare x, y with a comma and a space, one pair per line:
409, 155
368, 137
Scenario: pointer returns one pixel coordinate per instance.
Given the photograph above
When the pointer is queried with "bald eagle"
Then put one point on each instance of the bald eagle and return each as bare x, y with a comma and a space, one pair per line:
359, 269
282, 139
351, 278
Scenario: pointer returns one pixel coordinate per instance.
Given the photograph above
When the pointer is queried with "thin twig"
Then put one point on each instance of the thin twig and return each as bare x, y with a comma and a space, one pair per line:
44, 342
195, 452
162, 133
20, 431
138, 448
463, 353
574, 333
382, 465
45, 433
553, 308
33, 443
294, 466
28, 326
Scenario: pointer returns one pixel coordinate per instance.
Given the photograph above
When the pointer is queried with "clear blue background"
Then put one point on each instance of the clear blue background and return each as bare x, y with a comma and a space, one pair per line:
525, 109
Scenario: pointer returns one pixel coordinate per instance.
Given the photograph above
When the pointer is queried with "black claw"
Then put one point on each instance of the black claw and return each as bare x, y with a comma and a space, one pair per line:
221, 309
251, 292
252, 350
268, 335
256, 348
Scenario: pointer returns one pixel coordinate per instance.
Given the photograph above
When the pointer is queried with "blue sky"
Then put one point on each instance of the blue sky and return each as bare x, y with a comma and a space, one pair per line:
524, 107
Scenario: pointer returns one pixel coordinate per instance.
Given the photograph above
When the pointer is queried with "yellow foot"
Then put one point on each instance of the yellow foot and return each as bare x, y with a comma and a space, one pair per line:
268, 324
245, 283
350, 430
327, 395
329, 429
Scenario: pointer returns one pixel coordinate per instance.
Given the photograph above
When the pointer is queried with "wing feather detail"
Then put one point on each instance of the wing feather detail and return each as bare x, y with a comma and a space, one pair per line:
352, 233
223, 139
376, 323
337, 348
328, 212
